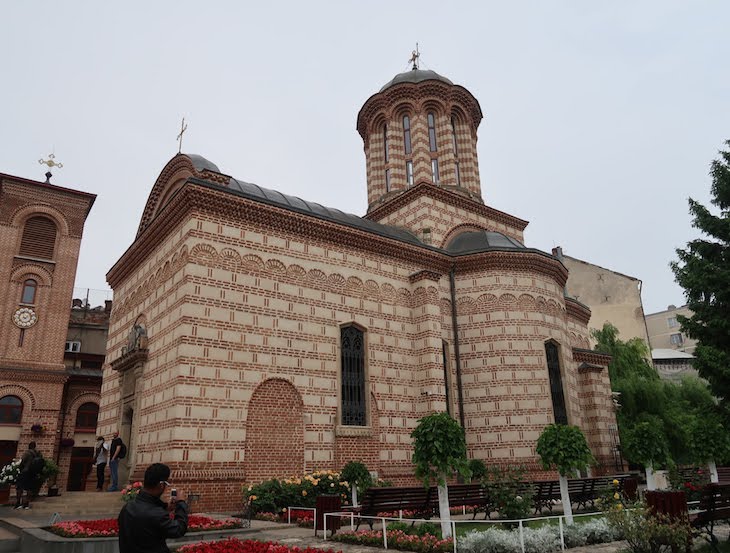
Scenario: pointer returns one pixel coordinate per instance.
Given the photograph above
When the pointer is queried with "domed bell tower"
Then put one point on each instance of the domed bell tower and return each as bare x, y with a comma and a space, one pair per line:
420, 127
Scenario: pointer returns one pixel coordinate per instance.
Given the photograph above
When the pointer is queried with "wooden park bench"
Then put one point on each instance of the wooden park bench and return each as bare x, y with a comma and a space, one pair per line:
378, 500
583, 491
714, 507
474, 496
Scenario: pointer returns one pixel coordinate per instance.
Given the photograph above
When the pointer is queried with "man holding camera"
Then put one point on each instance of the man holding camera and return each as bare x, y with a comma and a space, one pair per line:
145, 523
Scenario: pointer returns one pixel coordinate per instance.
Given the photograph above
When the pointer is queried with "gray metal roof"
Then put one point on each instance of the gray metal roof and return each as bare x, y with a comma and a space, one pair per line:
463, 244
481, 240
415, 76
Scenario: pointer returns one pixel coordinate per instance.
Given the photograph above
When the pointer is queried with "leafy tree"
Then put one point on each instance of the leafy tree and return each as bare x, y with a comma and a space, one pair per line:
357, 475
565, 448
478, 470
703, 270
710, 442
645, 443
439, 451
629, 358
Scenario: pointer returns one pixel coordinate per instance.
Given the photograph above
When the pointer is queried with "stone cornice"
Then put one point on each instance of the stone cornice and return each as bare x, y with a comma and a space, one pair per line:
23, 374
418, 93
130, 360
425, 274
591, 357
521, 260
430, 190
577, 310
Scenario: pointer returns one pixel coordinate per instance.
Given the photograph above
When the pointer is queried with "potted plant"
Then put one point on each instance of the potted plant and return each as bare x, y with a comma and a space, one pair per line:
646, 444
564, 448
67, 442
37, 428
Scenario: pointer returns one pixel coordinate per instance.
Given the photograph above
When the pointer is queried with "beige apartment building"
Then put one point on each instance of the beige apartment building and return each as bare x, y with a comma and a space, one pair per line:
664, 330
612, 296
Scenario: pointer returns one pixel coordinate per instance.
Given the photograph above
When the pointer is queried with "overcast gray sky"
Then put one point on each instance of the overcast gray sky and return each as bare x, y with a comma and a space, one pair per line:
600, 118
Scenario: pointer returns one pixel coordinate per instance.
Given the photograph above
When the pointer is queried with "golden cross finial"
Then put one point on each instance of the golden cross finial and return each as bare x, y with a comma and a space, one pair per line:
414, 57
51, 161
183, 128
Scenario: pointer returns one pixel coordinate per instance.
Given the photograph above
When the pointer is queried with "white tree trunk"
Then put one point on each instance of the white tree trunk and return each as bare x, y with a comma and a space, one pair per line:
565, 498
353, 487
650, 484
444, 513
713, 472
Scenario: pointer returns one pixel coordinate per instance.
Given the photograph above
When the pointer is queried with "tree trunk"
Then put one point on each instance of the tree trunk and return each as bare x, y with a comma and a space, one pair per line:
650, 484
713, 472
565, 498
353, 487
444, 513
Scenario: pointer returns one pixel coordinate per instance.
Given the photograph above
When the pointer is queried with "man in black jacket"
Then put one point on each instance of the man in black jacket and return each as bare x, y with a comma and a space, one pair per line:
145, 523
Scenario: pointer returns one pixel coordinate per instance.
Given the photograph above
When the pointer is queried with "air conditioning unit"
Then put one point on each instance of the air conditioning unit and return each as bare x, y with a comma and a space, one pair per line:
73, 347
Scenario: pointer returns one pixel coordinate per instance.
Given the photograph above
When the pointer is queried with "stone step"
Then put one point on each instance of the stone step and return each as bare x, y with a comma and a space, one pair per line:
79, 503
9, 541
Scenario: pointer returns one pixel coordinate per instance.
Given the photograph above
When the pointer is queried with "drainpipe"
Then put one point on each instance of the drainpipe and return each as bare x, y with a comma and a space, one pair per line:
455, 329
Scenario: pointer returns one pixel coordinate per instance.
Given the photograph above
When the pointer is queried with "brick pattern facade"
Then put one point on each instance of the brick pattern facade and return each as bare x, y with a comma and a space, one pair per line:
242, 303
32, 368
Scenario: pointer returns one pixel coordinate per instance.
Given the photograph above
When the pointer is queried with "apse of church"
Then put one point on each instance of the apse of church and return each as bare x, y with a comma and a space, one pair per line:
274, 336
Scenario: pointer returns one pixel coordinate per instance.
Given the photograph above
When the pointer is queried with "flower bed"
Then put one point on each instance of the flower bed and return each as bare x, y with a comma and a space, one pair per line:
109, 527
247, 546
300, 517
397, 539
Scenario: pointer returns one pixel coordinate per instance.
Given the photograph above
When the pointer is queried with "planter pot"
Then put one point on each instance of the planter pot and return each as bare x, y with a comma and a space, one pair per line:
4, 495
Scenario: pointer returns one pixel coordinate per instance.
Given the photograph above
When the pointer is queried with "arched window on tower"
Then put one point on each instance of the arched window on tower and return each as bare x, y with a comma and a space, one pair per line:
353, 376
407, 134
29, 289
552, 353
86, 417
39, 238
456, 151
431, 132
11, 410
386, 157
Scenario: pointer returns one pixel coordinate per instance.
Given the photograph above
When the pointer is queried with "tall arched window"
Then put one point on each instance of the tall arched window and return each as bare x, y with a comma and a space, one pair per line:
456, 151
407, 134
39, 238
11, 410
556, 383
431, 132
386, 156
86, 417
353, 376
29, 289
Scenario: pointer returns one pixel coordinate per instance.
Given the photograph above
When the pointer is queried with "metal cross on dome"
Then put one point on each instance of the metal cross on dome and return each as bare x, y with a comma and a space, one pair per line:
50, 162
183, 128
414, 58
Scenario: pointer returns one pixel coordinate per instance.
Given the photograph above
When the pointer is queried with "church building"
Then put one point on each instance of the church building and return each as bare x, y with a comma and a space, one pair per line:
257, 335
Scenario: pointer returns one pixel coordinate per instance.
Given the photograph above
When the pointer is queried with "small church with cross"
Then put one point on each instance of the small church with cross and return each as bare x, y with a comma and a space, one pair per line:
256, 334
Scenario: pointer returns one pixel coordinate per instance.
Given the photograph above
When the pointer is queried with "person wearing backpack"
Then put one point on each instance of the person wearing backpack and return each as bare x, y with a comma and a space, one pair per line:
117, 451
31, 465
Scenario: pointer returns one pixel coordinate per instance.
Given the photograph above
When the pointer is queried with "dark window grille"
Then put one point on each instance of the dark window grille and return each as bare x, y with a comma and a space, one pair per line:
385, 142
86, 416
11, 410
39, 238
29, 288
458, 174
445, 353
387, 180
407, 133
431, 132
556, 383
353, 376
453, 135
